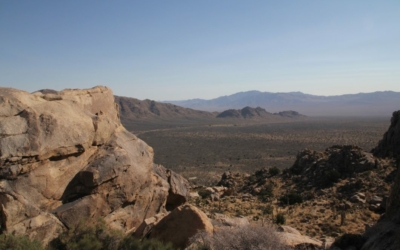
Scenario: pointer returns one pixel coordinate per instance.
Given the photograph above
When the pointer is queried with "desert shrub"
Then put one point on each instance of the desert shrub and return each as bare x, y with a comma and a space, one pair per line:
297, 168
331, 176
268, 210
130, 243
204, 193
252, 179
88, 235
274, 171
280, 219
291, 198
261, 174
246, 237
349, 240
266, 192
11, 242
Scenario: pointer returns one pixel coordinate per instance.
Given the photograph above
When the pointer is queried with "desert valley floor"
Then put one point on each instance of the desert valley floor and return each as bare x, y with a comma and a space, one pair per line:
206, 151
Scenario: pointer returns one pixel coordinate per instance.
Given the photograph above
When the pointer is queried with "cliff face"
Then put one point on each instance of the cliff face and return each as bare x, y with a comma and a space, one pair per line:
65, 156
386, 233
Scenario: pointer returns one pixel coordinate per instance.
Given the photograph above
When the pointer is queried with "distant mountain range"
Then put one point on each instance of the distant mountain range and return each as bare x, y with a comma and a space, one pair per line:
362, 104
147, 114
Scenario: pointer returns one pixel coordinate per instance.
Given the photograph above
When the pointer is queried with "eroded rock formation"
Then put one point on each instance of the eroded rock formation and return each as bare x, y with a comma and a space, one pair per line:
65, 156
386, 233
389, 146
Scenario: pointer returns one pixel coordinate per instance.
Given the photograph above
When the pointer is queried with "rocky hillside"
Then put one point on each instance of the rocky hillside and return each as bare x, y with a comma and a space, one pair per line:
139, 116
257, 114
131, 108
385, 234
340, 193
65, 156
389, 146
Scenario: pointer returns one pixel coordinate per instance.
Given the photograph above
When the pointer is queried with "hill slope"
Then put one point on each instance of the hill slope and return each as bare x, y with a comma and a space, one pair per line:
257, 114
362, 104
138, 115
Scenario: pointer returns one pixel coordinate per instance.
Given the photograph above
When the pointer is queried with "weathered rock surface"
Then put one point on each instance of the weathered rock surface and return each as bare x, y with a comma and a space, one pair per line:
294, 239
389, 146
334, 163
65, 156
386, 233
180, 225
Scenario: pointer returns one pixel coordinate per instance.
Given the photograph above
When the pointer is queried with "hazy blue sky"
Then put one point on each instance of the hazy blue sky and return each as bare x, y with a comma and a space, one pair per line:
171, 50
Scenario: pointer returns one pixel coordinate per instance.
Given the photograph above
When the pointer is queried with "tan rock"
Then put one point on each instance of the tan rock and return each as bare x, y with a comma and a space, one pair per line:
287, 229
67, 153
292, 240
181, 224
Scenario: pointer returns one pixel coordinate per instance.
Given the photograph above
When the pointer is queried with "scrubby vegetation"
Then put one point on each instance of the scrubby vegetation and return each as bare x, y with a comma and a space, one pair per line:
205, 152
238, 238
94, 235
280, 219
291, 198
11, 242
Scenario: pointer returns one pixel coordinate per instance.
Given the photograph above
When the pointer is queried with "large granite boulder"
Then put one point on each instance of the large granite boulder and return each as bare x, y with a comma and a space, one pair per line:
64, 156
180, 225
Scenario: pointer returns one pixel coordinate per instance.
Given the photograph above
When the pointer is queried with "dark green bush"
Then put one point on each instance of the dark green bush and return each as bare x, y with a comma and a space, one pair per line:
204, 193
268, 210
349, 240
291, 198
280, 219
274, 171
88, 235
332, 176
130, 243
266, 192
11, 242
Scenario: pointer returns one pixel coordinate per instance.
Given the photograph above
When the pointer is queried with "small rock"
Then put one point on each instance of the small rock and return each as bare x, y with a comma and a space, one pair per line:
374, 207
288, 229
348, 205
375, 200
357, 199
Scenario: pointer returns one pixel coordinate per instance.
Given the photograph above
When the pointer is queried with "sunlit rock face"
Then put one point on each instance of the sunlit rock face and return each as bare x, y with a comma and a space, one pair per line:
65, 156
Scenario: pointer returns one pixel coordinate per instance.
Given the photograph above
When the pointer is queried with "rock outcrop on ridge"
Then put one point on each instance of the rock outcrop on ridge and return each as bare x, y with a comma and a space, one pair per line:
386, 233
257, 114
64, 156
389, 146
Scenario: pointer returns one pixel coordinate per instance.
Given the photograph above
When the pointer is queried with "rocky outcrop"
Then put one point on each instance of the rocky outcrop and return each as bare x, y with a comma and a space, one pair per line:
385, 234
389, 146
64, 156
180, 225
325, 168
257, 114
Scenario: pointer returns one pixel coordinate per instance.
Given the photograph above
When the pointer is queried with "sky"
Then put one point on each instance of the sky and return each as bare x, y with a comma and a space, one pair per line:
176, 50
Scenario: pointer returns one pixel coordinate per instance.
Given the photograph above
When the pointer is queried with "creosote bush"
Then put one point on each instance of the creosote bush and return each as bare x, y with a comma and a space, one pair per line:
291, 198
11, 242
280, 219
94, 235
274, 171
266, 192
331, 176
130, 243
204, 193
238, 238
88, 235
